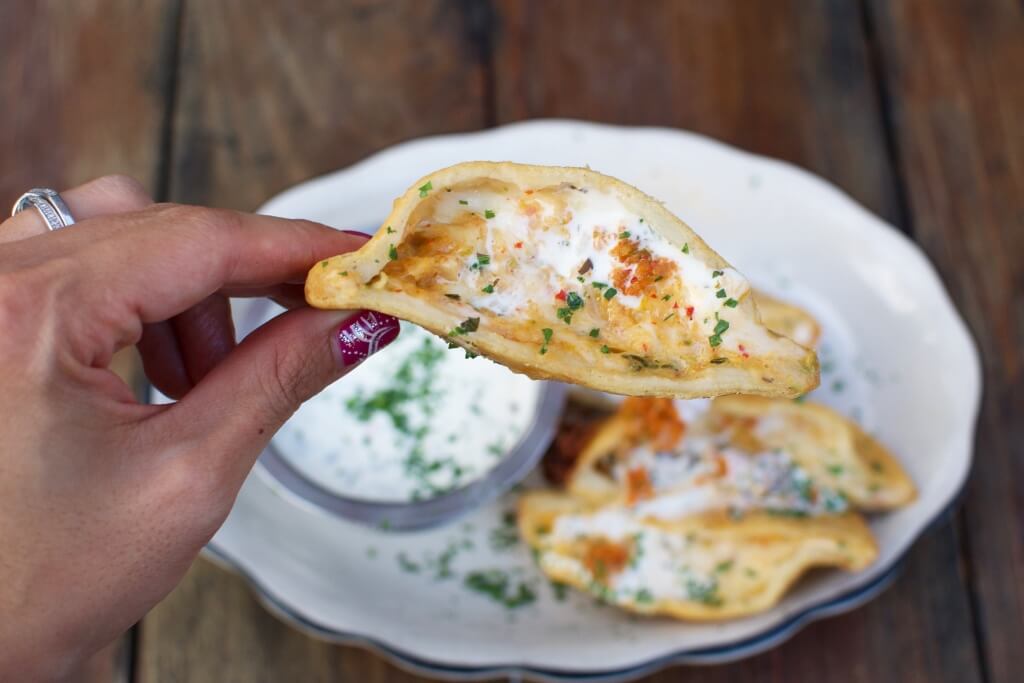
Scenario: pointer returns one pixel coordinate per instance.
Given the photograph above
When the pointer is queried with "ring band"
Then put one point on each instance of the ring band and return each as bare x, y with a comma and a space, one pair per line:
49, 204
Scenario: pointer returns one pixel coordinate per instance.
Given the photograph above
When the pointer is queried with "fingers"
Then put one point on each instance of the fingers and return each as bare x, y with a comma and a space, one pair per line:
178, 353
107, 195
162, 361
247, 397
167, 258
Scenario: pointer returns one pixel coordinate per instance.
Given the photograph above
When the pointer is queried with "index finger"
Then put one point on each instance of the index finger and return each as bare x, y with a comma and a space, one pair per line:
160, 261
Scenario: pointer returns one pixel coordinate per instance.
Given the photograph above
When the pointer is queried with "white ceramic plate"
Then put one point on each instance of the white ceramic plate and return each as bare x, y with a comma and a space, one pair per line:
896, 356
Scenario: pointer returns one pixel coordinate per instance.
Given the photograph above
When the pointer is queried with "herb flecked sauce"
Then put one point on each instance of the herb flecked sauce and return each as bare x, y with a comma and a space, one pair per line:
412, 422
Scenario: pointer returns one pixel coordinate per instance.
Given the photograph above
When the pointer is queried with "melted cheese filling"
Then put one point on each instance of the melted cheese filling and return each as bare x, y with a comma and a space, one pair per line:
577, 263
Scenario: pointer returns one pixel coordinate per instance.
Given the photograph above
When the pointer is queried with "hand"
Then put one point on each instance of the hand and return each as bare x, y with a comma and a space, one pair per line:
105, 502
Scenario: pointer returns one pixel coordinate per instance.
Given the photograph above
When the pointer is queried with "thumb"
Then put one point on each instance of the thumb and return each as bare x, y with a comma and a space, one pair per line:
239, 405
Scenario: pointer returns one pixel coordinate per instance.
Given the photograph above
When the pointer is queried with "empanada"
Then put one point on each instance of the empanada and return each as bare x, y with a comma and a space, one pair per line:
704, 567
568, 274
810, 458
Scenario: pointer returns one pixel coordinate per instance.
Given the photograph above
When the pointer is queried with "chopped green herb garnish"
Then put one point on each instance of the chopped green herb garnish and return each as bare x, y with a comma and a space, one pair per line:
323, 264
390, 230
722, 326
610, 293
624, 235
574, 300
547, 332
481, 261
715, 340
659, 278
425, 188
463, 202
407, 565
721, 294
668, 317
731, 303
393, 253
835, 470
716, 273
344, 272
644, 597
489, 288
719, 360
594, 332
488, 213
723, 567
465, 327
497, 585
705, 592
598, 285
454, 296
666, 297
605, 349
686, 248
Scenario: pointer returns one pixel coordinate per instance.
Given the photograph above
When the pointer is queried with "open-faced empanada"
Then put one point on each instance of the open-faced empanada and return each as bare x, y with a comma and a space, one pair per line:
568, 274
704, 567
743, 453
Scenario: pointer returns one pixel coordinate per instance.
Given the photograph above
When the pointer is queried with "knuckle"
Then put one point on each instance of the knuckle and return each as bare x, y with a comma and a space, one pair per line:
128, 192
285, 386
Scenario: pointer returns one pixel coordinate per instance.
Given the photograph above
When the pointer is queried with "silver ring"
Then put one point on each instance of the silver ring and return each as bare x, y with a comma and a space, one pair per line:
49, 204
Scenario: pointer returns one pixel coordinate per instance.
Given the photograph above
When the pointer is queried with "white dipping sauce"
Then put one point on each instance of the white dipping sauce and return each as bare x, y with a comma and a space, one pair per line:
413, 421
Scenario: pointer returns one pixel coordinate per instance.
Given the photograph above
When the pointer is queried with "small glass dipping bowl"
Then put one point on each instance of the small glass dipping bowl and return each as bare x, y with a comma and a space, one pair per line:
280, 472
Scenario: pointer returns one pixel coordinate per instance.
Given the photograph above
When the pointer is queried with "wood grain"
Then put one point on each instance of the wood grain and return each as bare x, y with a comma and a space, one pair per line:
83, 87
957, 98
789, 79
211, 630
270, 96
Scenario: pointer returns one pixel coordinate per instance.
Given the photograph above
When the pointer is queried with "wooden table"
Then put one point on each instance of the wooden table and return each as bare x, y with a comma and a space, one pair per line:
914, 107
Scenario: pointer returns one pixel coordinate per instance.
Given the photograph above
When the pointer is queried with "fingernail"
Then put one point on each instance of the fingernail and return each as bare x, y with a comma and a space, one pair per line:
363, 335
357, 233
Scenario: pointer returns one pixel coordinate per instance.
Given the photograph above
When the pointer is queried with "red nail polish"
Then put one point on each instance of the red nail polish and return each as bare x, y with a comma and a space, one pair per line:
357, 233
363, 335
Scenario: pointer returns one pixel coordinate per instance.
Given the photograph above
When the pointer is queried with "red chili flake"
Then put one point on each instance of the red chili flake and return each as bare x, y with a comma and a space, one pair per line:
634, 280
561, 295
743, 351
645, 347
518, 245
675, 305
654, 295
529, 192
689, 312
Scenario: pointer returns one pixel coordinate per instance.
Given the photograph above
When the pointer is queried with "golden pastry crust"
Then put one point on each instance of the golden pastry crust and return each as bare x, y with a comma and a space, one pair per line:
834, 451
789, 320
740, 566
647, 329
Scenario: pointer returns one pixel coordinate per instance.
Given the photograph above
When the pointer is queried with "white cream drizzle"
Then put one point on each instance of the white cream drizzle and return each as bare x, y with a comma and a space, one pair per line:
549, 259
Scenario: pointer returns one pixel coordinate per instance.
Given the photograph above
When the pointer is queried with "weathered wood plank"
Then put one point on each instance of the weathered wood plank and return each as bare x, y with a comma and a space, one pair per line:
212, 630
269, 95
957, 95
273, 96
84, 86
788, 79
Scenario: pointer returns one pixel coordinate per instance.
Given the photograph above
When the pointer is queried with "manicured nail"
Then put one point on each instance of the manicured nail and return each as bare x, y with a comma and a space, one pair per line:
363, 335
357, 233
